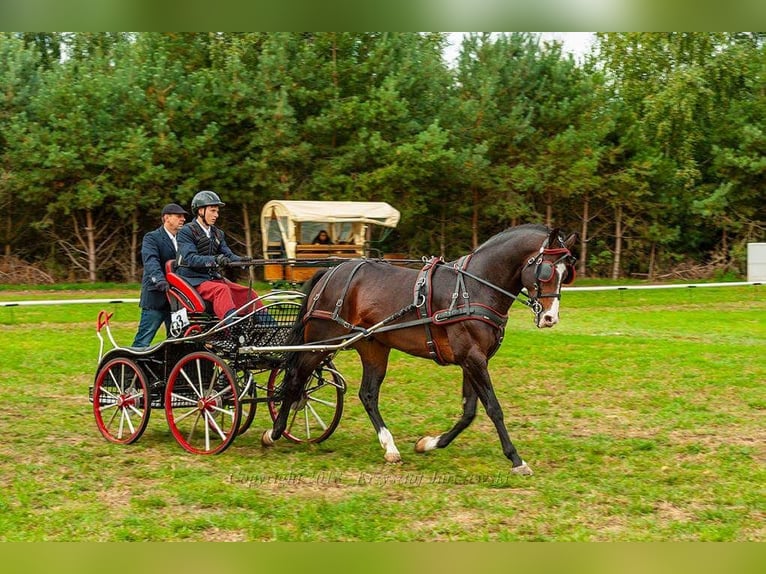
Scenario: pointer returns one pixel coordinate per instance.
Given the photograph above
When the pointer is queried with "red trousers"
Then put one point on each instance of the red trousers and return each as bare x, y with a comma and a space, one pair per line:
227, 296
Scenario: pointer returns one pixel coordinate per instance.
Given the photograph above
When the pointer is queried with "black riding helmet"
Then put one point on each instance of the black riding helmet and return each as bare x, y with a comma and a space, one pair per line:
205, 199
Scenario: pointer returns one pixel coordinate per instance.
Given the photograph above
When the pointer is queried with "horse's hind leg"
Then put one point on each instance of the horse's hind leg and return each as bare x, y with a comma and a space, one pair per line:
374, 363
291, 391
427, 443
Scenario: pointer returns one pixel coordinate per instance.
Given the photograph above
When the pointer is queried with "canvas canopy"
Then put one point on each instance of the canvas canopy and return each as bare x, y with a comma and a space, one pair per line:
286, 224
376, 212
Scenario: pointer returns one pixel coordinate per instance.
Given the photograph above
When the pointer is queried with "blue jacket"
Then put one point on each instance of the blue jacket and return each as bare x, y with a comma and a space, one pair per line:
156, 249
197, 253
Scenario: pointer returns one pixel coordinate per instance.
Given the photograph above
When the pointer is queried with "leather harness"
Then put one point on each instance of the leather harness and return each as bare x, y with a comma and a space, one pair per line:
460, 309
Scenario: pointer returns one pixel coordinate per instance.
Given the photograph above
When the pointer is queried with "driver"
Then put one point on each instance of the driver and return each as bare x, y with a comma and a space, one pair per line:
202, 251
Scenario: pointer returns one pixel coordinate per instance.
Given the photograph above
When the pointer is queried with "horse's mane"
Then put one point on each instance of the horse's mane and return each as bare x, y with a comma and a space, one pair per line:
507, 234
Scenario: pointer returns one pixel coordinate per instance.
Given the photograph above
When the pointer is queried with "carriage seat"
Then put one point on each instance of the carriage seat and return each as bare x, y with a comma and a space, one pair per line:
182, 294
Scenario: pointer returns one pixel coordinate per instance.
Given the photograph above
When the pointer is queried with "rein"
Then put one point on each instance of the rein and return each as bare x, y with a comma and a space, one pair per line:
527, 301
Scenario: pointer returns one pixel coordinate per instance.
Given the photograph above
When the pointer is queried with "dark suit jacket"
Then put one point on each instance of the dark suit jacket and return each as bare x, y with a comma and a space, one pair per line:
156, 249
197, 263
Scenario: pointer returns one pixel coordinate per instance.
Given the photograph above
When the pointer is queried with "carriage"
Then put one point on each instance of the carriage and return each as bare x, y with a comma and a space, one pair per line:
209, 376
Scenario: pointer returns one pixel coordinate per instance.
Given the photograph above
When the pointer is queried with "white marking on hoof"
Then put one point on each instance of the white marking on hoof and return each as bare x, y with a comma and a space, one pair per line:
426, 443
522, 470
266, 439
387, 442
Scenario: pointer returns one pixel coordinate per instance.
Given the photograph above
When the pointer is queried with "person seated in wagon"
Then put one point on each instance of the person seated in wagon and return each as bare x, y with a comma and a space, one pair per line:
202, 251
322, 238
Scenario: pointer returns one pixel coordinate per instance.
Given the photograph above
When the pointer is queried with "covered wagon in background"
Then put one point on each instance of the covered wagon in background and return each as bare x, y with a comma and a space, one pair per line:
288, 229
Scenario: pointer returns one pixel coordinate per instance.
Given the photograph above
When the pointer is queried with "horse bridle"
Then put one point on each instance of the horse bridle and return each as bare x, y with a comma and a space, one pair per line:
545, 271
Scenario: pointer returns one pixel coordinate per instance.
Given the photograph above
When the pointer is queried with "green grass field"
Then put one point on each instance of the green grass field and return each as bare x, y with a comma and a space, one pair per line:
641, 413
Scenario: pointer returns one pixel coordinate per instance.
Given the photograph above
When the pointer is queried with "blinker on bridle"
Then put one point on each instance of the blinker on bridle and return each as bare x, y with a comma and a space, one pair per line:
545, 271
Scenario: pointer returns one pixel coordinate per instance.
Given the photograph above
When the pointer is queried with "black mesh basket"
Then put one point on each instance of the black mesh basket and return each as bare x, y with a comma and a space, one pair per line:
266, 327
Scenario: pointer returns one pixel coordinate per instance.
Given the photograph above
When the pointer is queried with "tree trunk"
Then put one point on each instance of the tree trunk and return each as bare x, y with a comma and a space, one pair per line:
90, 234
8, 228
652, 259
581, 268
248, 239
443, 234
617, 242
135, 250
334, 82
475, 219
549, 208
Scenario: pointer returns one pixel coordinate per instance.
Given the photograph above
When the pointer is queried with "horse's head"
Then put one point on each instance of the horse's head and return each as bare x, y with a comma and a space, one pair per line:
544, 274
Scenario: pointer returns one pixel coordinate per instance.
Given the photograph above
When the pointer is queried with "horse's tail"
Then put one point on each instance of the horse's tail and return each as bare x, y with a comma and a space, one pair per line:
297, 331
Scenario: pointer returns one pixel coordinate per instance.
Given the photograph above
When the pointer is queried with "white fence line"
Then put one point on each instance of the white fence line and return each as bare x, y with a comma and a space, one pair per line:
672, 286
594, 288
65, 302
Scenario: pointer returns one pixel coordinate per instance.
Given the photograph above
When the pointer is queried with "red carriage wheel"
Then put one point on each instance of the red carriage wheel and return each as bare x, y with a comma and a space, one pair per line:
202, 403
121, 402
316, 416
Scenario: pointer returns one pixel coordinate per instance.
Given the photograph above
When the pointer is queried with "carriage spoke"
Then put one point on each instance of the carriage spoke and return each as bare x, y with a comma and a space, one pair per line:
324, 402
199, 377
188, 414
316, 414
213, 380
111, 395
222, 392
193, 426
121, 426
207, 431
114, 380
191, 384
135, 410
222, 411
116, 412
306, 423
182, 398
127, 418
104, 408
212, 424
292, 420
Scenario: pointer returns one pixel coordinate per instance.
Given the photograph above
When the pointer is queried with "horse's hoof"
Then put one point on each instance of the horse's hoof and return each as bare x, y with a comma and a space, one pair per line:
426, 443
522, 469
266, 439
393, 457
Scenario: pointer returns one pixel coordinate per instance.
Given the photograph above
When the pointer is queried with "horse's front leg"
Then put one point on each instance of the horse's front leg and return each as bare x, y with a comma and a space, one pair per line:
475, 370
427, 443
374, 363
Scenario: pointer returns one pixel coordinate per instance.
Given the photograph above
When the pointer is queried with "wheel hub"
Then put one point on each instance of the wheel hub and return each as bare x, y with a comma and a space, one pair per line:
125, 401
207, 404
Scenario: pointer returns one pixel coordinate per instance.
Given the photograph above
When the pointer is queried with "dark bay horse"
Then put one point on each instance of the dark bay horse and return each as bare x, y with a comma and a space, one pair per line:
453, 313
